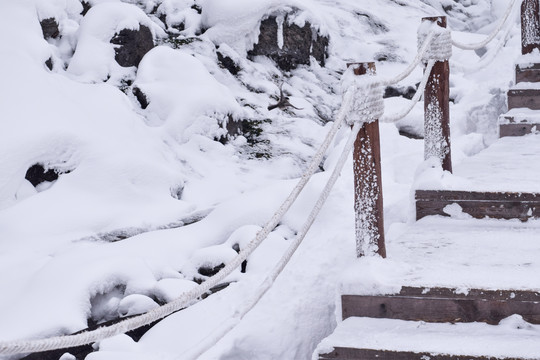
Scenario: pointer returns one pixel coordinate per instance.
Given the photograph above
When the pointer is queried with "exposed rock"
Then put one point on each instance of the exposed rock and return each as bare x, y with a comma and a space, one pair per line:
210, 271
299, 43
236, 247
85, 7
50, 28
141, 97
49, 63
37, 174
228, 63
393, 91
132, 45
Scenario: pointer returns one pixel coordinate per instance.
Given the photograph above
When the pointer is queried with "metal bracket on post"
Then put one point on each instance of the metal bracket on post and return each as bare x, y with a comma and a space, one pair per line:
437, 109
530, 26
368, 197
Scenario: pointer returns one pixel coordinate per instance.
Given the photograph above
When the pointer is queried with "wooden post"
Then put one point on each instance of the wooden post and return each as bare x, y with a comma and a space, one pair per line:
368, 199
437, 109
530, 29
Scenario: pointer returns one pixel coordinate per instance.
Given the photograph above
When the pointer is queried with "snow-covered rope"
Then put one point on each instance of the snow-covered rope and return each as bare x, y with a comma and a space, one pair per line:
417, 60
386, 118
187, 298
489, 56
491, 36
265, 285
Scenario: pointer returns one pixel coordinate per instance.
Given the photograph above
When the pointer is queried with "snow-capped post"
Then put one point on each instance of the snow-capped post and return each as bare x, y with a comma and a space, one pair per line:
368, 197
437, 91
530, 26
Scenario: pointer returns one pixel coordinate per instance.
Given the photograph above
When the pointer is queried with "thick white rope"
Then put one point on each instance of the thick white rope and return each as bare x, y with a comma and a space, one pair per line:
491, 36
419, 92
186, 299
488, 57
440, 46
423, 48
267, 283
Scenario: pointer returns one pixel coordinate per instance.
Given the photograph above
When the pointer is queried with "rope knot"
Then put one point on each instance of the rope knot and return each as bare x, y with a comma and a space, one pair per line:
440, 47
362, 98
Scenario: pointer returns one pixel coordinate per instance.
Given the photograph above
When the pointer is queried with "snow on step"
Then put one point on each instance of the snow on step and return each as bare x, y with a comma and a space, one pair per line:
501, 181
512, 338
511, 164
519, 122
445, 252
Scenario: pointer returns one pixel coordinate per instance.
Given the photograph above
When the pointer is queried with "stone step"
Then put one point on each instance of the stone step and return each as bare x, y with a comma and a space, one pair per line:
360, 338
527, 72
519, 122
498, 205
445, 305
524, 95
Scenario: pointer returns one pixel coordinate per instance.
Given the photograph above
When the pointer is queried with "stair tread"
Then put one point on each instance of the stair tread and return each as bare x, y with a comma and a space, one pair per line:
511, 164
527, 85
453, 253
512, 338
520, 115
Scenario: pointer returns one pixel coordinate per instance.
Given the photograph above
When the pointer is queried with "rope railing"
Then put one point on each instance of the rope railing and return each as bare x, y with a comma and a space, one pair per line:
362, 108
491, 36
67, 341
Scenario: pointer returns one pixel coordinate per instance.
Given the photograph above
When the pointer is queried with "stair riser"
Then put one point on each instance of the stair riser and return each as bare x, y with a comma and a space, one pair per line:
528, 74
524, 99
438, 310
367, 354
517, 129
521, 206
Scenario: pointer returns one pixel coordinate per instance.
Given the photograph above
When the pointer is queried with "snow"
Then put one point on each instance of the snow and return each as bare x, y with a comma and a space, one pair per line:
512, 338
127, 170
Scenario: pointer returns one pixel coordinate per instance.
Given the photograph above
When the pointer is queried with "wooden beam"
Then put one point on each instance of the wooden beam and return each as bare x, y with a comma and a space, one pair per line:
524, 98
498, 205
445, 305
341, 353
368, 197
437, 109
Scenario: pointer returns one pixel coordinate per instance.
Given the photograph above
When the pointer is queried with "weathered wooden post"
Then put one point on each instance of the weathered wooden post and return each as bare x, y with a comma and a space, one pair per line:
368, 198
437, 109
530, 26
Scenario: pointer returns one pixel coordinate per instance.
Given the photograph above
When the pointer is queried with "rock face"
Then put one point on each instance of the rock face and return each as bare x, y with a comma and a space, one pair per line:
295, 47
37, 174
50, 28
132, 45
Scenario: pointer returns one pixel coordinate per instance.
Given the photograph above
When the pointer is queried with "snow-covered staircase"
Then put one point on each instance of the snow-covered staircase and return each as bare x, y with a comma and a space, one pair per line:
511, 160
451, 288
523, 100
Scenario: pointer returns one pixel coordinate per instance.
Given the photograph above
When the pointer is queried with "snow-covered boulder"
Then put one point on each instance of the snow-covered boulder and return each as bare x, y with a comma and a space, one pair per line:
181, 93
290, 44
96, 58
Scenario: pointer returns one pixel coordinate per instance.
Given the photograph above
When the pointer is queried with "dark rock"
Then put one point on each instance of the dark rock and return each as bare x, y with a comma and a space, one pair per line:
49, 63
393, 91
50, 28
299, 43
141, 97
236, 247
37, 174
410, 133
228, 63
210, 271
133, 45
197, 8
85, 7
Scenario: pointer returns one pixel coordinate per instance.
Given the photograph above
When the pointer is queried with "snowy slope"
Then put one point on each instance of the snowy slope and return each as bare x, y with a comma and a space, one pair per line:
128, 170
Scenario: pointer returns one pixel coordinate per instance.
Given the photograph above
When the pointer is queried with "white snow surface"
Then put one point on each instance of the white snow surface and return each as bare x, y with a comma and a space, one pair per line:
512, 338
145, 172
